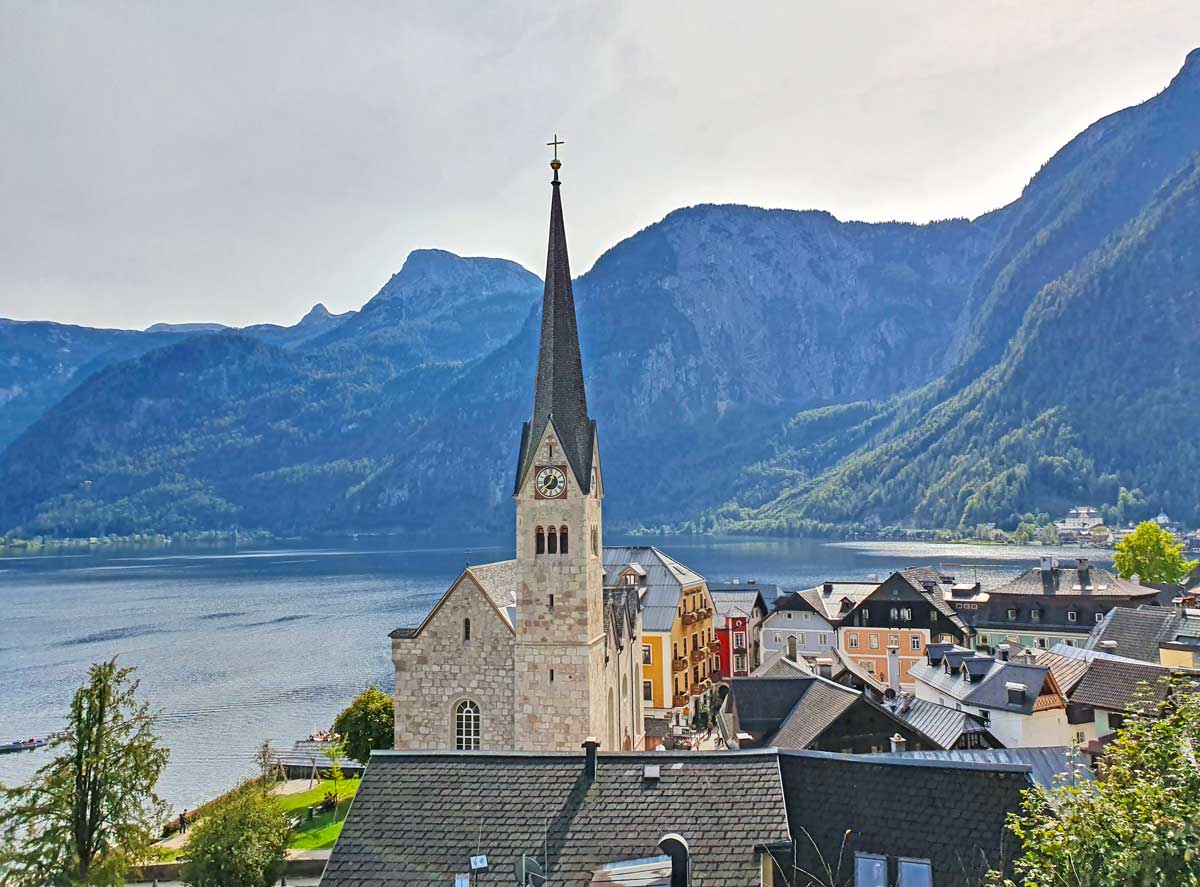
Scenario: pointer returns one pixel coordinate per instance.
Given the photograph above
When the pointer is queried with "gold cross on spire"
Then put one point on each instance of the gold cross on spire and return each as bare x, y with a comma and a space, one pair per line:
555, 164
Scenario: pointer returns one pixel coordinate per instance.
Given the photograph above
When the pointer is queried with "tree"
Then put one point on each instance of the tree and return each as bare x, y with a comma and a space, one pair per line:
91, 813
335, 750
1137, 826
367, 723
1152, 554
241, 843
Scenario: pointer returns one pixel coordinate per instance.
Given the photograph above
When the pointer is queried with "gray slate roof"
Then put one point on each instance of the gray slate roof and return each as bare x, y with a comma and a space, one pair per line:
990, 690
558, 389
419, 816
942, 724
1052, 766
1138, 633
950, 812
1071, 582
664, 579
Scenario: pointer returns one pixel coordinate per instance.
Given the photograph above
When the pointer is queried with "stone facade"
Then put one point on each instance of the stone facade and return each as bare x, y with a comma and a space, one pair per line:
438, 668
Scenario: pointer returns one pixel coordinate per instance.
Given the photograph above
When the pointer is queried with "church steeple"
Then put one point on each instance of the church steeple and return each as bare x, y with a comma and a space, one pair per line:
559, 395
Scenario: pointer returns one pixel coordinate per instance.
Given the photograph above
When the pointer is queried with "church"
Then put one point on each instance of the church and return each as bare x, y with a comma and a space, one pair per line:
534, 653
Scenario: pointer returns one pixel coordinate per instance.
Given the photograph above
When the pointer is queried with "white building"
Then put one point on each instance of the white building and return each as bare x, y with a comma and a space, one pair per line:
804, 623
1019, 702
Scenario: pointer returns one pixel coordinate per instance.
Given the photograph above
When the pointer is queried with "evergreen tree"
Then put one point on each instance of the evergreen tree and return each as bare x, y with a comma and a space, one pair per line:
241, 843
91, 813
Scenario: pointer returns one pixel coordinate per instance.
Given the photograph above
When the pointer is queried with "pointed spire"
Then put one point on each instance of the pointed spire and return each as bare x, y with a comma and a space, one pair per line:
559, 390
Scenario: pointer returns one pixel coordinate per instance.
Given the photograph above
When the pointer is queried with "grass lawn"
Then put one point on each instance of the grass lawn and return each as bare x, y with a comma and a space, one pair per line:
321, 831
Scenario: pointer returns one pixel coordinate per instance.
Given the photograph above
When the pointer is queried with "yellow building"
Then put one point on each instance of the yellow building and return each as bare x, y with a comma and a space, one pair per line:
679, 641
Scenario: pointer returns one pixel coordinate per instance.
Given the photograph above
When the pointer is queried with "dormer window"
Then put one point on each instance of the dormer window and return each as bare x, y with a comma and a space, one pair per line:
1012, 614
1072, 616
1035, 615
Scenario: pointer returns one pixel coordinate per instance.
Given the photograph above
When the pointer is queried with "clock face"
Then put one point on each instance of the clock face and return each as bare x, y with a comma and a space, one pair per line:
551, 483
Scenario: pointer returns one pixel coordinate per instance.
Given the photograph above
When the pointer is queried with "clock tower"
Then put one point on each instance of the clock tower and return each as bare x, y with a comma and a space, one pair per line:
561, 661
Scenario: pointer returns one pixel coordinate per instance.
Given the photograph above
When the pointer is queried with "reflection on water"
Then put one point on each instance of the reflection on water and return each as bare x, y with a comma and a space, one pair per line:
239, 646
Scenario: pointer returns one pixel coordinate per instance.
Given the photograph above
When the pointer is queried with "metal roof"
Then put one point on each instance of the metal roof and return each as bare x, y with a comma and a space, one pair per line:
1051, 765
660, 587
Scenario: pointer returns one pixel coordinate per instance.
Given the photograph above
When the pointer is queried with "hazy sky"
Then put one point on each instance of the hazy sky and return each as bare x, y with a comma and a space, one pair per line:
238, 161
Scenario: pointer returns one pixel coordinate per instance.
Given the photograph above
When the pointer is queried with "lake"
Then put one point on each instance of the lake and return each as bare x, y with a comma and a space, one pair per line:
237, 646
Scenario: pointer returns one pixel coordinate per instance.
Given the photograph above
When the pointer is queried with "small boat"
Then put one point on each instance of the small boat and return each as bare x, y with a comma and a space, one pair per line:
21, 745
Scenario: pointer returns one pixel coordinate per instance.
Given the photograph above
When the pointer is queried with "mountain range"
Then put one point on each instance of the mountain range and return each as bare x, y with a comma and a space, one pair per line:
751, 370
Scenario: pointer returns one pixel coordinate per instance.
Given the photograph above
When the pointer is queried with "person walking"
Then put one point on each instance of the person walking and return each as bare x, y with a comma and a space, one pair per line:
183, 823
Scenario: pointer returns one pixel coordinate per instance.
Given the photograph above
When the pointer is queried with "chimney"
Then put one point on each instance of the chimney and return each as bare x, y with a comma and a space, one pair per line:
899, 743
825, 667
894, 668
752, 582
590, 746
1002, 652
827, 588
1047, 564
1016, 693
1081, 563
1109, 645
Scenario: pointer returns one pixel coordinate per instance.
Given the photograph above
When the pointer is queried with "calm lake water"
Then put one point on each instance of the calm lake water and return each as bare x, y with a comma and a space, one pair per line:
237, 646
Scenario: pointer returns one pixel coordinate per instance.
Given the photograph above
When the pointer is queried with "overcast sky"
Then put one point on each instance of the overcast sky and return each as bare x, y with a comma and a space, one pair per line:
239, 162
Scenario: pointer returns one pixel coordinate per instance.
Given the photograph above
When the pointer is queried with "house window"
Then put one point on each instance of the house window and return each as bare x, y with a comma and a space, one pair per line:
873, 641
914, 642
852, 641
895, 614
648, 691
807, 616
695, 674
739, 662
870, 870
739, 639
915, 873
647, 656
562, 540
1079, 737
778, 638
1072, 616
1012, 614
1035, 615
869, 664
466, 726
630, 579
1099, 618
791, 648
466, 629
823, 640
1041, 642
789, 615
539, 541
906, 614
893, 640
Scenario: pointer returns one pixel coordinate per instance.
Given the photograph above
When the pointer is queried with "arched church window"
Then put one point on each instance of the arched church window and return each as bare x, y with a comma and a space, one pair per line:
552, 541
466, 629
625, 687
562, 539
466, 726
540, 541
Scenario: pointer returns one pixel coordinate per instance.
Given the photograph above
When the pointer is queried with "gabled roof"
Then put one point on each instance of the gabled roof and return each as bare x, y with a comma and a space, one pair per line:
777, 665
558, 388
1051, 766
663, 581
498, 581
1136, 633
990, 691
736, 602
944, 725
828, 604
1114, 685
418, 816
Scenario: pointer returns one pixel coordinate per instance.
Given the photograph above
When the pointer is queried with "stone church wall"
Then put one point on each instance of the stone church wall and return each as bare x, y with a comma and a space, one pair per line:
438, 669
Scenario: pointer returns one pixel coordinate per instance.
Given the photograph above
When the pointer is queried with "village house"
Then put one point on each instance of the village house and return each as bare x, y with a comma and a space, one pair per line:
1018, 701
887, 631
804, 623
679, 652
614, 819
1048, 604
812, 712
740, 609
1079, 524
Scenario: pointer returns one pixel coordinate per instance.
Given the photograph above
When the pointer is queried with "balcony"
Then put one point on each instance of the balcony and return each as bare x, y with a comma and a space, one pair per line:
714, 647
689, 618
678, 664
679, 700
697, 655
705, 684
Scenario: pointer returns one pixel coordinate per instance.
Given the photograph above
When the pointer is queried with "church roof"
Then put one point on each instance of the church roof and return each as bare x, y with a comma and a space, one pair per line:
558, 394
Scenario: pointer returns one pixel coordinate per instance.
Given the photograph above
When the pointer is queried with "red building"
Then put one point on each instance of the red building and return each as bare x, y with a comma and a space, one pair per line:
738, 617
